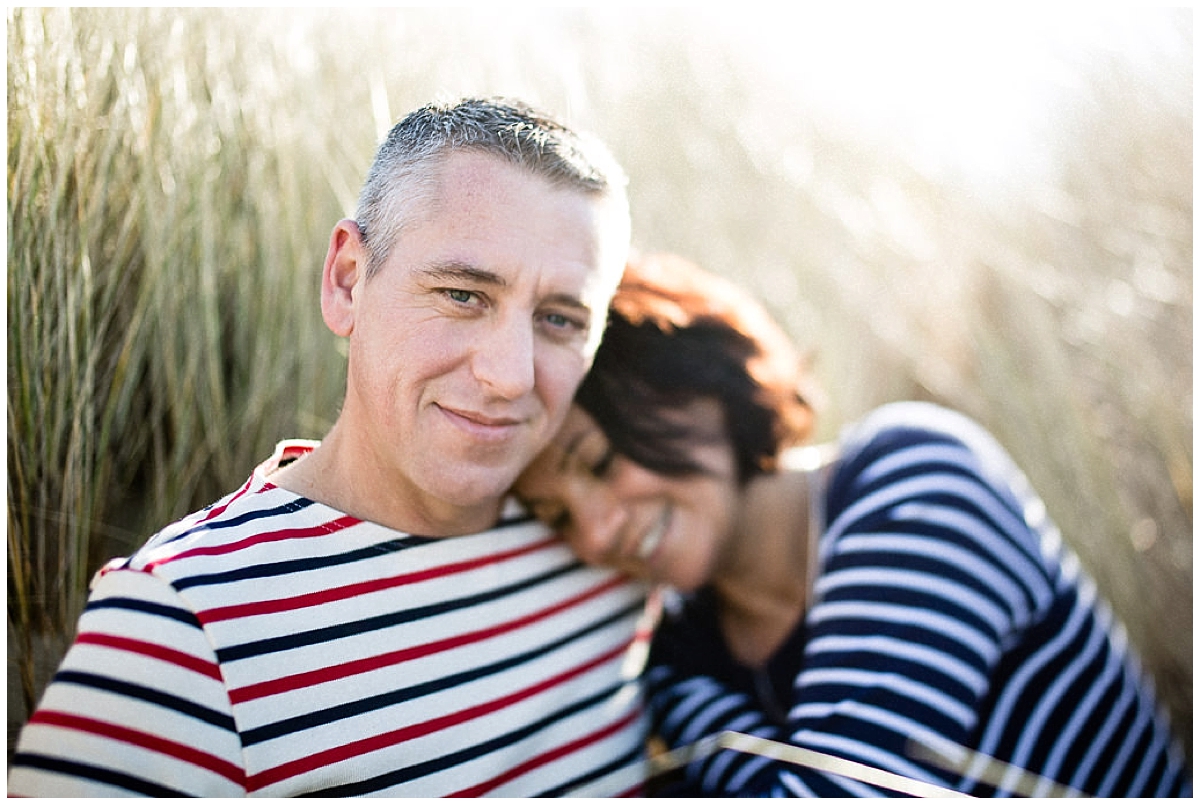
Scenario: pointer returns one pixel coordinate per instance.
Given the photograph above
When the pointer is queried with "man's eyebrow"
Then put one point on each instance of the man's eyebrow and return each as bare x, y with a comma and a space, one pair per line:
569, 301
453, 271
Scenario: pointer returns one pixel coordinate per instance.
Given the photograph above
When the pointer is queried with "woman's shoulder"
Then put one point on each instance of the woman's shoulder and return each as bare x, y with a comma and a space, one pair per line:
908, 426
884, 430
913, 420
903, 439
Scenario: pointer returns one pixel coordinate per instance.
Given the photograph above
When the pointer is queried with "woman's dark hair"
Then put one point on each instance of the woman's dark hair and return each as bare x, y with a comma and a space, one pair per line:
678, 335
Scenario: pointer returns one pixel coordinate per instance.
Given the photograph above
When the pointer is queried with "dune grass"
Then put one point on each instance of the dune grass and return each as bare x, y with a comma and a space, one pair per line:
161, 297
174, 174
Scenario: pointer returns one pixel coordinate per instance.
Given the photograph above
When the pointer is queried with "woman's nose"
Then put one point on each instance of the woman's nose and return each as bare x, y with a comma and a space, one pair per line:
598, 523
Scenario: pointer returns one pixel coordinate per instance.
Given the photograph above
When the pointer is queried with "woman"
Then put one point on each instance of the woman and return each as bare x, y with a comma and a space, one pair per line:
898, 590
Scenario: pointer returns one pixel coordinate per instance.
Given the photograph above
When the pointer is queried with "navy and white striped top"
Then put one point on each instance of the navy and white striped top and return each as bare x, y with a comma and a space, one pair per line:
946, 611
272, 646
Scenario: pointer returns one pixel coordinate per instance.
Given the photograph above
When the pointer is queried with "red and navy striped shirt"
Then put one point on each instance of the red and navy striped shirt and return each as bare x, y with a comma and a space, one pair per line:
272, 646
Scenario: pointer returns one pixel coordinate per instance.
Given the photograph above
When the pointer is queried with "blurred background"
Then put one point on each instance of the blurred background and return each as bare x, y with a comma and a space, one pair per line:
985, 206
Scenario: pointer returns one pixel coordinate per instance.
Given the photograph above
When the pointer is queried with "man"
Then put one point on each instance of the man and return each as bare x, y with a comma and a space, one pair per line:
367, 615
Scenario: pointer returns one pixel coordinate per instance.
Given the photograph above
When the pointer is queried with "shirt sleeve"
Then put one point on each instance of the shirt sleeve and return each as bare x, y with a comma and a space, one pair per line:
138, 706
929, 570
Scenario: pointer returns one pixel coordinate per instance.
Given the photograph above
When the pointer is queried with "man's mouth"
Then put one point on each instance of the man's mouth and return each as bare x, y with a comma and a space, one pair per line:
481, 425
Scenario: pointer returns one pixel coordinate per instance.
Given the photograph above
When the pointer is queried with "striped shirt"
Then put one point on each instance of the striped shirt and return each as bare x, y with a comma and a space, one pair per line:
272, 646
946, 612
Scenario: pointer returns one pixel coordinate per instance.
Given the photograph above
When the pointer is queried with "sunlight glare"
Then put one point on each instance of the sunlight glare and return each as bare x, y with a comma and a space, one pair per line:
967, 89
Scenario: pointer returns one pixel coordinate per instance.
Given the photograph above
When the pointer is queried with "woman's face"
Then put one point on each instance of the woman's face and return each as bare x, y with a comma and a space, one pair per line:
619, 514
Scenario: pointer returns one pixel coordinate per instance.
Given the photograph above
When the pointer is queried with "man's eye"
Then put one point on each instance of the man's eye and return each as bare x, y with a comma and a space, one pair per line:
562, 321
460, 296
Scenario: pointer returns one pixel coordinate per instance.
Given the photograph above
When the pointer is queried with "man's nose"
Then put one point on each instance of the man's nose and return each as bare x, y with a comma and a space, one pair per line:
504, 360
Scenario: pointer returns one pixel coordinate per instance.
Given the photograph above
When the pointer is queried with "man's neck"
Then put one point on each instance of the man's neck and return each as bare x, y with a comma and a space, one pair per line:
365, 494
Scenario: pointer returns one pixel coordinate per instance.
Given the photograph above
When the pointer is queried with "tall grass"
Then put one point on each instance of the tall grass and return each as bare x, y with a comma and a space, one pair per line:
174, 174
161, 295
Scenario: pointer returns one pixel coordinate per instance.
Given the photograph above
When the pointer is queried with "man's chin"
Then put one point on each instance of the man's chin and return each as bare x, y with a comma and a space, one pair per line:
477, 491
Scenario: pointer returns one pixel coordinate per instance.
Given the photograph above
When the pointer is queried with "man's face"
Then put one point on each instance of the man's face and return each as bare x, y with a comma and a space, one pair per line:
468, 344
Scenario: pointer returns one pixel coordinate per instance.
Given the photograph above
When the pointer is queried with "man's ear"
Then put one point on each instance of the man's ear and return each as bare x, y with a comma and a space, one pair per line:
345, 267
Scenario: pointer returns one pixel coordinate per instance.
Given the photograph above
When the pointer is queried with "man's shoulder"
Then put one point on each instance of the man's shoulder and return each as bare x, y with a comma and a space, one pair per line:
264, 523
254, 509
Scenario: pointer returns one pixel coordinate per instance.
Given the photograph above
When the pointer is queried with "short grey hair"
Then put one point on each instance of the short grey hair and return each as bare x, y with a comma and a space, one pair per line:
406, 161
